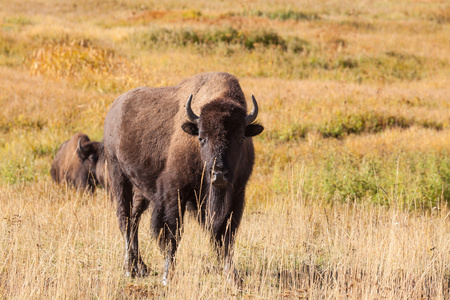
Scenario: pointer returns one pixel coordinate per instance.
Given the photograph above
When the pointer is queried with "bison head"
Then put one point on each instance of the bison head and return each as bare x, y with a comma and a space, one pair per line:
222, 129
75, 162
88, 154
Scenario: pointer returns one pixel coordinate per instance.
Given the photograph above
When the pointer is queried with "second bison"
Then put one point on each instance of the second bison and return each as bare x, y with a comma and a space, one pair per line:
80, 163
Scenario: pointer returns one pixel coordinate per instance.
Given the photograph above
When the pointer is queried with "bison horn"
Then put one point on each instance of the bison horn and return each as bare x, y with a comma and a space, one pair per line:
253, 114
190, 114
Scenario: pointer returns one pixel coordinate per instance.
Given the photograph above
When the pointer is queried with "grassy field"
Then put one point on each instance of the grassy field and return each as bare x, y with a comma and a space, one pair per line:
350, 194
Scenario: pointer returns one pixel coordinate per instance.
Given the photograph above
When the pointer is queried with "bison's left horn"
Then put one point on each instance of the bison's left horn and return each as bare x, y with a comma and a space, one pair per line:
253, 114
190, 114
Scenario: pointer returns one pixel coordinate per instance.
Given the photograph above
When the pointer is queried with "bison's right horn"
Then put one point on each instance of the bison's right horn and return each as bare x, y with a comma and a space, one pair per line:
253, 114
190, 114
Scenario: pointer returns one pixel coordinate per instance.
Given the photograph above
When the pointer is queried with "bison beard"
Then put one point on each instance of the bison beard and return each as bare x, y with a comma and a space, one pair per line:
155, 157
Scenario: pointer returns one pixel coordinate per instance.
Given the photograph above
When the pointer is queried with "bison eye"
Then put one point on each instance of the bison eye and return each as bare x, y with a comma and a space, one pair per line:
202, 140
242, 139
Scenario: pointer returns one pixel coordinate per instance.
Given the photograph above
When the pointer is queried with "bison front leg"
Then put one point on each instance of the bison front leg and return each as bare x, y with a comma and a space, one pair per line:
170, 238
166, 223
224, 242
224, 233
169, 261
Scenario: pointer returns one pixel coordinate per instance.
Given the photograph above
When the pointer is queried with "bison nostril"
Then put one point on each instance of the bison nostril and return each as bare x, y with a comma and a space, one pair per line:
219, 179
219, 176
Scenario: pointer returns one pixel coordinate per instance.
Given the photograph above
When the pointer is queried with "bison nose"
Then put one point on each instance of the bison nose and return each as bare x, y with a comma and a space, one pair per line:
220, 179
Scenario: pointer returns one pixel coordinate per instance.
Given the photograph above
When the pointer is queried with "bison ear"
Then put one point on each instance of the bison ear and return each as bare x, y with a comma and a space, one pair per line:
190, 128
253, 129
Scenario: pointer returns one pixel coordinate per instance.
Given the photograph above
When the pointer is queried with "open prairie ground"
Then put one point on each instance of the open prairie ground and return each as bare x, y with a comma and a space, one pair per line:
350, 194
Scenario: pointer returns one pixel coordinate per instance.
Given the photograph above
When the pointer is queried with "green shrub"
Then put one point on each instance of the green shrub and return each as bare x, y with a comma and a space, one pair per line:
341, 125
409, 180
371, 122
291, 132
346, 177
283, 15
211, 38
297, 45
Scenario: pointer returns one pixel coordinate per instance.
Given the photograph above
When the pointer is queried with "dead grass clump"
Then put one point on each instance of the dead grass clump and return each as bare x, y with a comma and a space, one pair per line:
441, 15
70, 59
149, 16
82, 62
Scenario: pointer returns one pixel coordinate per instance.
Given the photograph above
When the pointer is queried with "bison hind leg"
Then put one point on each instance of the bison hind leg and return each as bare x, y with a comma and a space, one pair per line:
140, 204
128, 217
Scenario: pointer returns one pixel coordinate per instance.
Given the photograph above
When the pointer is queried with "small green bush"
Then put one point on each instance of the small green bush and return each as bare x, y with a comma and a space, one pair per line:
211, 38
411, 180
292, 132
284, 15
371, 122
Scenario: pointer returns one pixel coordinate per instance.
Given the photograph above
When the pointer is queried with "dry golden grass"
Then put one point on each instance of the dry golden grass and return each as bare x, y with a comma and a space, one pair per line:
349, 196
70, 248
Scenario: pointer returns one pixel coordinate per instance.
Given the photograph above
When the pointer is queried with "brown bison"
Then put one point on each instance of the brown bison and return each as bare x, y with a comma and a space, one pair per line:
80, 163
161, 152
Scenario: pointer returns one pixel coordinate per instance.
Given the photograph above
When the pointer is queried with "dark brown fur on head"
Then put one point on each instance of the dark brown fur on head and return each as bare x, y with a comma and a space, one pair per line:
222, 133
221, 118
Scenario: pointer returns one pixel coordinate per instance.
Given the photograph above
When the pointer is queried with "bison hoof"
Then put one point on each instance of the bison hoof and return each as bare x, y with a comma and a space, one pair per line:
142, 270
234, 277
139, 270
164, 281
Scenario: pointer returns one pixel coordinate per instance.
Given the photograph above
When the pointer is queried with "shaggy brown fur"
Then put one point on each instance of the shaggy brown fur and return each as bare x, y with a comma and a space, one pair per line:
76, 166
153, 152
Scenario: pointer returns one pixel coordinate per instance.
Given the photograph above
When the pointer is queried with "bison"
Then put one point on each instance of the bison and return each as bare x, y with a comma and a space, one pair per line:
80, 163
160, 152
